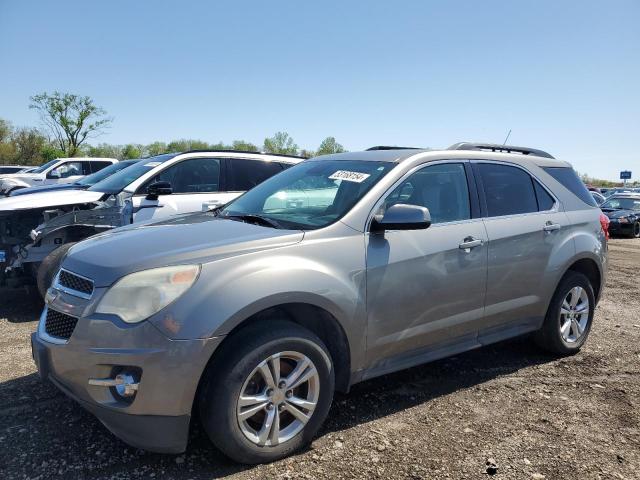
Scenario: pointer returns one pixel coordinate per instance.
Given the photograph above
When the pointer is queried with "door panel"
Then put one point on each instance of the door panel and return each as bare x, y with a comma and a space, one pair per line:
167, 205
520, 252
427, 287
422, 288
524, 227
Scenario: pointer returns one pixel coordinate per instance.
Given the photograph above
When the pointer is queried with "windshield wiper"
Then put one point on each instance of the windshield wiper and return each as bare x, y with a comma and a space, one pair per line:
252, 218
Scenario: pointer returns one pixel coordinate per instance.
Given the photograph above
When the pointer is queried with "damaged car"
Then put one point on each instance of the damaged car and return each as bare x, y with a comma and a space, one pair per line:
37, 230
60, 170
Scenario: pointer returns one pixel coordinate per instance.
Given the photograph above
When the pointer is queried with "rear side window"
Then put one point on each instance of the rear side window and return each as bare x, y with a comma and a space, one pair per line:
569, 179
508, 190
246, 174
97, 166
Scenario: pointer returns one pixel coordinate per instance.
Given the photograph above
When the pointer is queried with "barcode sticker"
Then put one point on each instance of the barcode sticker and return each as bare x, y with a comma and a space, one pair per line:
348, 176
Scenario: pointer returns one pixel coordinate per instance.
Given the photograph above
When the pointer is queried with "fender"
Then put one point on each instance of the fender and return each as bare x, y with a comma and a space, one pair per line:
232, 290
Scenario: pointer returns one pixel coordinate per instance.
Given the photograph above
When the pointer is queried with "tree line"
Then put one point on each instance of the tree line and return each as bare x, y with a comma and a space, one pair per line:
70, 121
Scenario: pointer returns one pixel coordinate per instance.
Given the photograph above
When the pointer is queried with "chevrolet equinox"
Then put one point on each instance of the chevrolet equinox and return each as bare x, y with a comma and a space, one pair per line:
340, 269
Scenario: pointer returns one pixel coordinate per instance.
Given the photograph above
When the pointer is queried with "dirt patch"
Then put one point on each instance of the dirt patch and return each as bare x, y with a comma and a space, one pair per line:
532, 414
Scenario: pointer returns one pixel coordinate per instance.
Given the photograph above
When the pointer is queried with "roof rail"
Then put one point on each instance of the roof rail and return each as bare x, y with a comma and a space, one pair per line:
216, 150
494, 147
390, 147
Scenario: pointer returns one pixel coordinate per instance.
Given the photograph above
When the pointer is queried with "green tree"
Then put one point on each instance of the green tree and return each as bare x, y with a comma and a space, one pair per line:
131, 151
50, 152
329, 146
281, 143
184, 145
245, 146
156, 148
70, 118
104, 150
29, 143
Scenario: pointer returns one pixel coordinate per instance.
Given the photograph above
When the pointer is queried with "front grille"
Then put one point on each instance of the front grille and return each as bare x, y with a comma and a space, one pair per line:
59, 325
75, 282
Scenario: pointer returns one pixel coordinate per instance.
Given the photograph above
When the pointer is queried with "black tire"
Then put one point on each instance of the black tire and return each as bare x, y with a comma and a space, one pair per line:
549, 336
225, 377
49, 267
635, 230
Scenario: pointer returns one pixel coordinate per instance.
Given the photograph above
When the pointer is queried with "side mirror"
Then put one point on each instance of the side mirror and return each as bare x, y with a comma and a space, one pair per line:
402, 217
54, 175
158, 188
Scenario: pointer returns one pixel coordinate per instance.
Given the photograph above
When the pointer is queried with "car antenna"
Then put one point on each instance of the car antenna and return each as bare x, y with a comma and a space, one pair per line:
508, 135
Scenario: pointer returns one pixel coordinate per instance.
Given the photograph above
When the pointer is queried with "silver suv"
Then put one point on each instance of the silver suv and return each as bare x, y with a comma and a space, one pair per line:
340, 269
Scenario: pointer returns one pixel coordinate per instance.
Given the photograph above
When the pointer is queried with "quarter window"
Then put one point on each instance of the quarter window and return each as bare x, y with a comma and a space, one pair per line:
545, 201
97, 166
442, 188
196, 175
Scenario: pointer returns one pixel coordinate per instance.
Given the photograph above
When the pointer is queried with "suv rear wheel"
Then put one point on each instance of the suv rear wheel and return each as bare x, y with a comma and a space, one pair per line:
267, 393
569, 317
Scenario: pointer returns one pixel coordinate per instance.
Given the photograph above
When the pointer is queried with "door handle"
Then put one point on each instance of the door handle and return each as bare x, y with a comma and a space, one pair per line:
551, 227
469, 243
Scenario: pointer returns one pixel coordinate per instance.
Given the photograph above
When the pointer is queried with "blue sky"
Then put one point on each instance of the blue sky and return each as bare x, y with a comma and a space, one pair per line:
563, 75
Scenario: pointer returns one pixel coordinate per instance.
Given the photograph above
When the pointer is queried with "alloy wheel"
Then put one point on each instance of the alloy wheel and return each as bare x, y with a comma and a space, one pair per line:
574, 314
278, 398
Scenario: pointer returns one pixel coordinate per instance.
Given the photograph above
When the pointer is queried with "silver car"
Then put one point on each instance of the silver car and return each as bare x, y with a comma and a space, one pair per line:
340, 269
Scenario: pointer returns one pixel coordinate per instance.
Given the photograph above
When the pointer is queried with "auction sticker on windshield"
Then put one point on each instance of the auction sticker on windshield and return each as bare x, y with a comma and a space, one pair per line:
348, 176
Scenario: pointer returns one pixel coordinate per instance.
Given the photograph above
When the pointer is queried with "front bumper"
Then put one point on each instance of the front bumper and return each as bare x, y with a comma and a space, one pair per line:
158, 417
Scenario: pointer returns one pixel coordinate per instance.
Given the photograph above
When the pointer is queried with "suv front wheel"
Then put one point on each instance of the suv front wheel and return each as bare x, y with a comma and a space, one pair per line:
267, 393
569, 317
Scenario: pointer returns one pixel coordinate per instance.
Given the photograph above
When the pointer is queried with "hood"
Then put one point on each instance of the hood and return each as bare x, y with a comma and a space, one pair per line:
48, 188
49, 199
613, 213
197, 238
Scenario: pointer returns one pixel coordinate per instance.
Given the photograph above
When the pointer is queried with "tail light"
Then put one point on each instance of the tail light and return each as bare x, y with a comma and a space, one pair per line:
604, 223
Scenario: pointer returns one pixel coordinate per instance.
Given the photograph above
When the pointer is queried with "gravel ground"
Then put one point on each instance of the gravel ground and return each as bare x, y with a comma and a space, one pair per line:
509, 405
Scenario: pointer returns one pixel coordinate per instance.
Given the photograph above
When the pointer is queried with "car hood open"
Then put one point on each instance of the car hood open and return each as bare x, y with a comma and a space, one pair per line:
49, 199
196, 238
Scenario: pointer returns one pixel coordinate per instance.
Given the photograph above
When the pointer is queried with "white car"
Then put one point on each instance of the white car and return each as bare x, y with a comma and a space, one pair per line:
33, 227
60, 170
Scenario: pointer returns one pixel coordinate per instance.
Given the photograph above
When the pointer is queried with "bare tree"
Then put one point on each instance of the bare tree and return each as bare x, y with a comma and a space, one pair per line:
70, 118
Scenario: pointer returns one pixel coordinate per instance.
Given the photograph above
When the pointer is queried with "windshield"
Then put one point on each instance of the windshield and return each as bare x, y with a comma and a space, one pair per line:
311, 194
622, 204
42, 168
118, 181
94, 178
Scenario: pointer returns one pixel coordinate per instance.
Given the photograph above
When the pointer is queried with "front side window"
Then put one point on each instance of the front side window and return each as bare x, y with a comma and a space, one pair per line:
508, 190
196, 175
245, 174
442, 188
310, 195
67, 169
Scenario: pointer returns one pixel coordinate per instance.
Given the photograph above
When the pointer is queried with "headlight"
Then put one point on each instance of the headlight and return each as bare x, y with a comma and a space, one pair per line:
139, 295
623, 220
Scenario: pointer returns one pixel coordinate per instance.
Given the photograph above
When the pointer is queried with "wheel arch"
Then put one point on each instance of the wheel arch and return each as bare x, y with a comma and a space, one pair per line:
590, 269
314, 318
